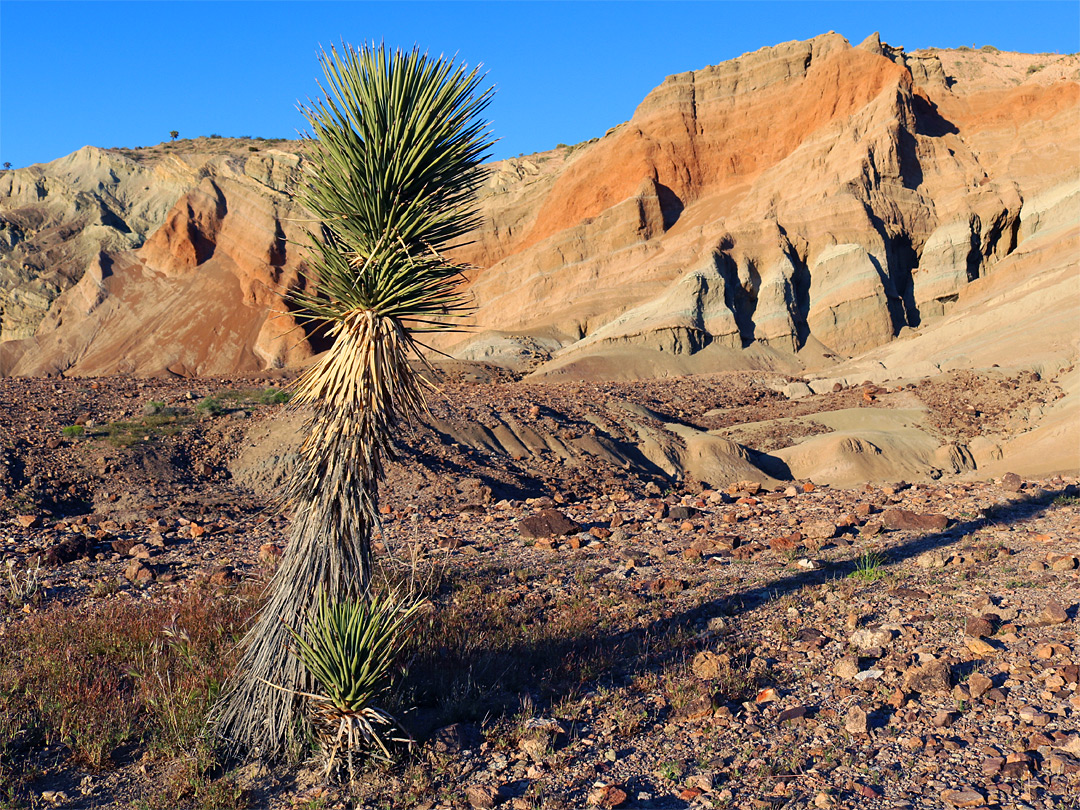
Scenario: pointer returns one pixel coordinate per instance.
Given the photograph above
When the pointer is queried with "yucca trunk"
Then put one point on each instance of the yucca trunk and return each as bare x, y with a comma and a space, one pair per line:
355, 396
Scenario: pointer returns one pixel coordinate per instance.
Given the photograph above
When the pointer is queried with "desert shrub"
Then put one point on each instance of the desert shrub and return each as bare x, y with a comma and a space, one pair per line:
274, 396
210, 406
989, 49
352, 649
73, 431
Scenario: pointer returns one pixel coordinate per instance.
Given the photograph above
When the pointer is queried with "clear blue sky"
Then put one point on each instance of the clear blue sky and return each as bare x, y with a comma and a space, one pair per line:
125, 73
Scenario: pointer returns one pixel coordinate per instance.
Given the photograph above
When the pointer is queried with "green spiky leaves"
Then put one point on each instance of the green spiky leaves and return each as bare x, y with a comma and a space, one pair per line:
351, 649
394, 157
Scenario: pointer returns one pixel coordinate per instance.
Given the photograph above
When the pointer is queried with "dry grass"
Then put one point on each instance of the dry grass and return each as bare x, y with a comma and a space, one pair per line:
107, 682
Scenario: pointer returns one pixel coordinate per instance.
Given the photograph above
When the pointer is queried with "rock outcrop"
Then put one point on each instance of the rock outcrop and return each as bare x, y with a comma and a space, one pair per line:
797, 206
836, 195
197, 289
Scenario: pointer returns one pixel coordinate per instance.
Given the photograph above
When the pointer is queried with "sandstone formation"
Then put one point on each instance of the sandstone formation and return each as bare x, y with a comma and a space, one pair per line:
812, 194
847, 214
163, 262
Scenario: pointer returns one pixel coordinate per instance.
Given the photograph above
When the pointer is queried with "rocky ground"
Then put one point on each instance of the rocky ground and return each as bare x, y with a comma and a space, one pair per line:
600, 636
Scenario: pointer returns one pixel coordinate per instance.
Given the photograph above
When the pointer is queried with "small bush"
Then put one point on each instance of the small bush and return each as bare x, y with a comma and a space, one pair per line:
73, 431
211, 406
868, 567
353, 649
989, 49
274, 396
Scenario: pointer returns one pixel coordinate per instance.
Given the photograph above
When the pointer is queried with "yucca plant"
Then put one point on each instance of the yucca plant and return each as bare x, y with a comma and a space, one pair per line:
393, 165
351, 649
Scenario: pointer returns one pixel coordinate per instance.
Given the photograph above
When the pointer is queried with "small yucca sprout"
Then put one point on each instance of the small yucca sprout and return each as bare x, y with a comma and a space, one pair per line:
351, 649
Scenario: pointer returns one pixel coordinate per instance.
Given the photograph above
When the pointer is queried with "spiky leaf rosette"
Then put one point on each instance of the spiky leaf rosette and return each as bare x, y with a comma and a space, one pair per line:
393, 169
395, 153
351, 649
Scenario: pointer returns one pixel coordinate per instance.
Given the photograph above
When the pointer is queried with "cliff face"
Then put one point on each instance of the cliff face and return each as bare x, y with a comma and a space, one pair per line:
809, 199
186, 278
808, 194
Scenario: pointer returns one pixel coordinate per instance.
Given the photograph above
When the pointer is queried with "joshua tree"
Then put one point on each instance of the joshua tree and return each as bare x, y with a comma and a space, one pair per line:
174, 134
7, 164
393, 169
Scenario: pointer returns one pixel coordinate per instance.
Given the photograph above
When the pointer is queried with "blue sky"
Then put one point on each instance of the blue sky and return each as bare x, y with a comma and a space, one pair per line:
125, 73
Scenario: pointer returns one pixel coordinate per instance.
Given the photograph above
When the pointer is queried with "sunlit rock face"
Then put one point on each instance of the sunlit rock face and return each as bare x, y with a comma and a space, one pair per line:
812, 199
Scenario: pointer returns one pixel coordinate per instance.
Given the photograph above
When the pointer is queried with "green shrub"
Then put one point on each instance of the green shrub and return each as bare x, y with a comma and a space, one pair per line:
73, 431
868, 567
274, 396
211, 406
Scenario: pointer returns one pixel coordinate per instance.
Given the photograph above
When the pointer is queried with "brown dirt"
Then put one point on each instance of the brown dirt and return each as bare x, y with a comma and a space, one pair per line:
578, 664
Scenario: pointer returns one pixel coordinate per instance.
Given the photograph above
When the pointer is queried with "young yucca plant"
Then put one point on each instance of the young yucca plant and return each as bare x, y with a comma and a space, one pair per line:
393, 165
351, 649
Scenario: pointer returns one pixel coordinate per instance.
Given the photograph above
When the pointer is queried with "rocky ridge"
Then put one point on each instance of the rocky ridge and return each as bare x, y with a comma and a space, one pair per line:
787, 209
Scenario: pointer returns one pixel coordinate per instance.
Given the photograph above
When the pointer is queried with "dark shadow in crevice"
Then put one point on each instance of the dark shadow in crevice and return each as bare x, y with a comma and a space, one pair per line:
742, 301
671, 207
928, 120
896, 277
800, 292
911, 173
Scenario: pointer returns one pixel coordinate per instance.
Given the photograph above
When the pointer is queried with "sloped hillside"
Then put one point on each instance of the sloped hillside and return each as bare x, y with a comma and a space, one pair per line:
789, 209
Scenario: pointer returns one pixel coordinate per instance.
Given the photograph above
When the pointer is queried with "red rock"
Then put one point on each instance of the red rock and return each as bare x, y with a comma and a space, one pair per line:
270, 553
28, 521
786, 543
1053, 613
868, 791
1011, 482
794, 713
547, 523
67, 550
138, 574
902, 519
932, 678
608, 797
225, 575
482, 797
667, 585
963, 797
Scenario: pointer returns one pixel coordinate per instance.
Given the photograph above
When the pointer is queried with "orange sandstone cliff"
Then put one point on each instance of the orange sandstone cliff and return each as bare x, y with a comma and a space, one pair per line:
794, 207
